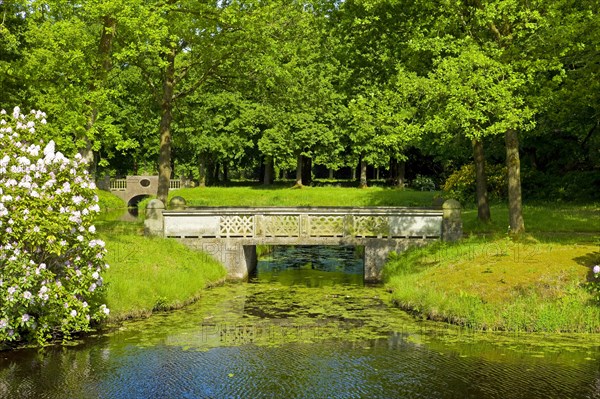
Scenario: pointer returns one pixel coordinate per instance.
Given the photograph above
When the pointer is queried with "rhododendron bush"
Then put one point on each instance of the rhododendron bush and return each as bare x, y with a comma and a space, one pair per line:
50, 261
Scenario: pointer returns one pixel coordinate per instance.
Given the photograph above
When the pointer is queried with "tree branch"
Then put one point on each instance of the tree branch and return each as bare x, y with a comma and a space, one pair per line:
198, 83
589, 135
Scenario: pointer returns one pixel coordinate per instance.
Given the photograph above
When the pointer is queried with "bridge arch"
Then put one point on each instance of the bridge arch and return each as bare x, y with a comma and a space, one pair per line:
135, 200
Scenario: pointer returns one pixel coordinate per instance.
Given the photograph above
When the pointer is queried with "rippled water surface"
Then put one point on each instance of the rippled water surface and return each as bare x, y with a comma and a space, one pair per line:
306, 332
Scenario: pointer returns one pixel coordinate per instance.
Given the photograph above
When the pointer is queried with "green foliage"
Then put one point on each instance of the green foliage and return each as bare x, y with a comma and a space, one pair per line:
333, 81
461, 185
423, 183
50, 262
475, 94
563, 186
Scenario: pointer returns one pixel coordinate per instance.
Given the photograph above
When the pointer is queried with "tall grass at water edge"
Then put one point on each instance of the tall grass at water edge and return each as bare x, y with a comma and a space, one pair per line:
490, 281
152, 274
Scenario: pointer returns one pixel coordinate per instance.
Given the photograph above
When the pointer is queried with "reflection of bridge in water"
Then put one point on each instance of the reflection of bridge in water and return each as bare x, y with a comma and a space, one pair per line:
230, 235
133, 189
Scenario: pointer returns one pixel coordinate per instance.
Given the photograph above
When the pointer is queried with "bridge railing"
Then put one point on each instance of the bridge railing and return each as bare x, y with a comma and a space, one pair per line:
303, 223
174, 184
118, 184
121, 184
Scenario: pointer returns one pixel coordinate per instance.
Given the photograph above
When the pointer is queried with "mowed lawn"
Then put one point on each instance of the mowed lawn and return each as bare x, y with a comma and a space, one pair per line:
306, 196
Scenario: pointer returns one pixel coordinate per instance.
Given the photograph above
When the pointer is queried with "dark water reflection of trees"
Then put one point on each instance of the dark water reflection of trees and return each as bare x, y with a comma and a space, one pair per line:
271, 339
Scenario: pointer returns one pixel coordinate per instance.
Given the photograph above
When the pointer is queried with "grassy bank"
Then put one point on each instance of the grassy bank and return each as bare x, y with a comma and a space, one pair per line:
490, 281
557, 221
108, 200
151, 274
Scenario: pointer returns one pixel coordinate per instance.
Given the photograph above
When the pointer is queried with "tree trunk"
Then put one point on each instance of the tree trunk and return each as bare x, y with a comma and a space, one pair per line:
202, 170
298, 171
225, 173
330, 173
109, 25
306, 170
400, 173
268, 177
483, 206
164, 157
513, 163
394, 178
215, 173
363, 174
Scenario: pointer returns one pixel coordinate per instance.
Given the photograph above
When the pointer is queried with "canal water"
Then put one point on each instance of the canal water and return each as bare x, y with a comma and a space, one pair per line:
305, 327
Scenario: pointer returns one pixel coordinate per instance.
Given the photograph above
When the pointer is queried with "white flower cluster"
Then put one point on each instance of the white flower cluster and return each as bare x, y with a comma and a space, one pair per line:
47, 204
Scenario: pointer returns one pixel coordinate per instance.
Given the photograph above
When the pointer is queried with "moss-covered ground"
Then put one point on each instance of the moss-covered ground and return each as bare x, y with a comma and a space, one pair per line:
489, 280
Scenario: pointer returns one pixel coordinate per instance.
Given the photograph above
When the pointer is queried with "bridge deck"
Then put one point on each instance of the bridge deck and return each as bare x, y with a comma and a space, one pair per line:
303, 223
230, 234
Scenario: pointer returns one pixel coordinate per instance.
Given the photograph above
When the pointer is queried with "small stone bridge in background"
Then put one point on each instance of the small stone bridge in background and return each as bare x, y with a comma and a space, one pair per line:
230, 235
134, 188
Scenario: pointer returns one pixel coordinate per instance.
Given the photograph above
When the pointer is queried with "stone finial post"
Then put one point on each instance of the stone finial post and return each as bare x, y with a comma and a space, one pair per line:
153, 224
451, 222
177, 203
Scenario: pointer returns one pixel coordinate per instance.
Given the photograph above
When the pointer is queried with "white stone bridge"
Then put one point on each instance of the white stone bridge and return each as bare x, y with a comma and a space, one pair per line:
132, 189
230, 235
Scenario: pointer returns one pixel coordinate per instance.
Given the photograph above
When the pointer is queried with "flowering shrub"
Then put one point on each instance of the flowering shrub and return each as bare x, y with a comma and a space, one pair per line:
594, 285
423, 183
50, 262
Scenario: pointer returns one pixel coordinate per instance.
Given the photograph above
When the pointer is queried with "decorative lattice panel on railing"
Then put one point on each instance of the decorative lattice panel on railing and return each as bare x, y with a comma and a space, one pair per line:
370, 226
236, 226
326, 226
282, 226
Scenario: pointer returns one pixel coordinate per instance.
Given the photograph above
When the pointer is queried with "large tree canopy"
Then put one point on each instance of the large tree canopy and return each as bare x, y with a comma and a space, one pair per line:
208, 88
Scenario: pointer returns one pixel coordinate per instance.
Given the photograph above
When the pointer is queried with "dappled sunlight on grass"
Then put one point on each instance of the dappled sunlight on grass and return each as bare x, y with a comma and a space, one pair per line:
555, 218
